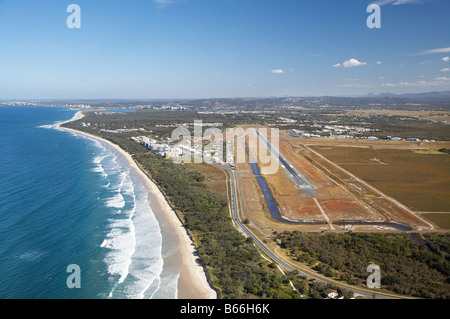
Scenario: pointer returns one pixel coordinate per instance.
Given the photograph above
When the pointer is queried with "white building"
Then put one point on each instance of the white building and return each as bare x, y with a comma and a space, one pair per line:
330, 294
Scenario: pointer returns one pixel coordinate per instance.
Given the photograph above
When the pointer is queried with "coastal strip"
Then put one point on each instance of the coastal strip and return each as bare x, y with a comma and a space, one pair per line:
193, 281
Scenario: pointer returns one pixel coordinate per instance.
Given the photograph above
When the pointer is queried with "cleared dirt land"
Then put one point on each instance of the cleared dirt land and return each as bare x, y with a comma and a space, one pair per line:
419, 180
361, 185
334, 202
417, 176
363, 181
337, 203
255, 209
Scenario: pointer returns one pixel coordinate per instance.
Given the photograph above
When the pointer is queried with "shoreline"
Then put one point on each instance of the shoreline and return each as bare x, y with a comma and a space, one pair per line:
193, 282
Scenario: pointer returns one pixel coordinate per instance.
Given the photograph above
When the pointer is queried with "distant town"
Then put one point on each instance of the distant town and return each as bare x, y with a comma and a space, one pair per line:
418, 101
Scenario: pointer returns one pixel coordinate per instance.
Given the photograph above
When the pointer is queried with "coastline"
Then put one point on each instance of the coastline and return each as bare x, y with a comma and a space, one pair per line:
193, 281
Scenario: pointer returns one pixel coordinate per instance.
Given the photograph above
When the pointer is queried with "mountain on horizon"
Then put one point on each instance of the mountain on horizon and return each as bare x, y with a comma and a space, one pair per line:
426, 95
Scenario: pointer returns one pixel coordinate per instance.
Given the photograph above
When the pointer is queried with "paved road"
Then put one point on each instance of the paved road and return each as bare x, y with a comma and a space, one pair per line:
271, 255
244, 229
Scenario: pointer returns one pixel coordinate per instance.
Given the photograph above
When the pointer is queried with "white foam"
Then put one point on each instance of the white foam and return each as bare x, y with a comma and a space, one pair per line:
98, 145
147, 261
54, 125
134, 241
47, 126
99, 159
140, 272
117, 201
99, 169
32, 255
123, 176
168, 288
128, 187
57, 124
121, 240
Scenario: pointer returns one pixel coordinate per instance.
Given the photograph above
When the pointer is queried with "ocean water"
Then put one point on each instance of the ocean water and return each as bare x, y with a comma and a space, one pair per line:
67, 199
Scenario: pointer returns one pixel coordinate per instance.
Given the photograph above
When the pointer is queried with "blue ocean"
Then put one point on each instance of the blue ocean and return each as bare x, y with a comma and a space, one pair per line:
66, 199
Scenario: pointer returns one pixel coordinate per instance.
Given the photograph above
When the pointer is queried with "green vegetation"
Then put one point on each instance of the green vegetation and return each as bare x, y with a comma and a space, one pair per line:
161, 123
404, 126
427, 151
235, 265
409, 264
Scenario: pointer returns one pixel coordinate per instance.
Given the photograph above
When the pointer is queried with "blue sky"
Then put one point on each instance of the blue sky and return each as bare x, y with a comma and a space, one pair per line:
221, 48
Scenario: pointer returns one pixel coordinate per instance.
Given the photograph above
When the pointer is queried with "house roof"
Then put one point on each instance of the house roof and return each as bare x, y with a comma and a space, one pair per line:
329, 291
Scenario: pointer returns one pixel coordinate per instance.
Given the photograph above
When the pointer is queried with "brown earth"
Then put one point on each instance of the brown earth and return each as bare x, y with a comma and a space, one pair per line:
341, 195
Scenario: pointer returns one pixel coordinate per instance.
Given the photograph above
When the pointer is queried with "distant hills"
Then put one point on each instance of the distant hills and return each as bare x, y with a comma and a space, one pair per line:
435, 95
408, 101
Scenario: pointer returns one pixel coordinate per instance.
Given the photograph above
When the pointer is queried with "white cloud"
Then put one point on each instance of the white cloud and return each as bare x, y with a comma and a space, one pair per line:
379, 62
436, 82
349, 63
446, 59
445, 69
163, 3
432, 51
397, 2
352, 62
353, 85
278, 71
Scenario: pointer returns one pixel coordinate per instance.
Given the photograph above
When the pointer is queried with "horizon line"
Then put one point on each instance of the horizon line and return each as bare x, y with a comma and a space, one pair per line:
370, 94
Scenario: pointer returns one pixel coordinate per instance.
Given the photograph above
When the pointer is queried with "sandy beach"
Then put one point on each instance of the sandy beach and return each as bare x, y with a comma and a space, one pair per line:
192, 283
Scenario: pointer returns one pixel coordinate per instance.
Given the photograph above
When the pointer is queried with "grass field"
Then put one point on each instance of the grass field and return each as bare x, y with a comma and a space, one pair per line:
440, 219
420, 180
332, 200
411, 113
431, 115
428, 151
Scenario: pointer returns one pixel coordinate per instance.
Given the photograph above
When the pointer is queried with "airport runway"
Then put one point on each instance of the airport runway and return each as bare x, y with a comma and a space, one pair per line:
300, 181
